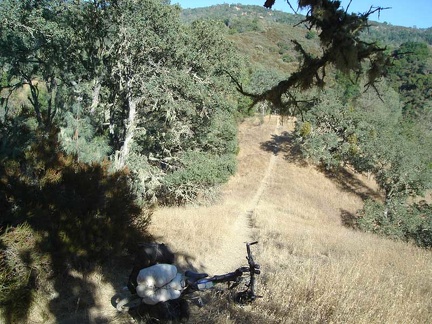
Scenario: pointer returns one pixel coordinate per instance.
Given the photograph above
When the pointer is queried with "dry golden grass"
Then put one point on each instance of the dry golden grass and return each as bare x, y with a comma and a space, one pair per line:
201, 236
314, 269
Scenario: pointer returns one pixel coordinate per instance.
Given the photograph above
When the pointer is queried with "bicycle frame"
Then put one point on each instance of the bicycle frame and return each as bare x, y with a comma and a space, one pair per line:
202, 283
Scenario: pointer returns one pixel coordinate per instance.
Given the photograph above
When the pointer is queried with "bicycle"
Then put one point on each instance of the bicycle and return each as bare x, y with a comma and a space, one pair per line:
196, 282
201, 281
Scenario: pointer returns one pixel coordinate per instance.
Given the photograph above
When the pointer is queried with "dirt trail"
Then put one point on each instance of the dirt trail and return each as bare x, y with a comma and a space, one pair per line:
264, 181
233, 250
212, 238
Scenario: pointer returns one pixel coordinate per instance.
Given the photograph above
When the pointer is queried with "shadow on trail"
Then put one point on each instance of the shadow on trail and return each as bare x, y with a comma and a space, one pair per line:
284, 144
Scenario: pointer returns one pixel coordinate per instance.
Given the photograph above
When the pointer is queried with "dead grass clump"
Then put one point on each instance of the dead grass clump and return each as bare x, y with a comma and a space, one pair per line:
18, 270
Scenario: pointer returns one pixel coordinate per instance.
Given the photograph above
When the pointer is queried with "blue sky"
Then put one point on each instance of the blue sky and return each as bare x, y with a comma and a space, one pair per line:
402, 13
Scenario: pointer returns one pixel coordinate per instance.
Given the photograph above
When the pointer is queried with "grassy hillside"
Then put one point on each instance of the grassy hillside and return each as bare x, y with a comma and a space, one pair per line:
315, 269
229, 12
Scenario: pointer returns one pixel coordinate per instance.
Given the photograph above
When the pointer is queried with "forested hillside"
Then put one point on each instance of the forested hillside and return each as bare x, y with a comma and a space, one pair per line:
242, 18
110, 109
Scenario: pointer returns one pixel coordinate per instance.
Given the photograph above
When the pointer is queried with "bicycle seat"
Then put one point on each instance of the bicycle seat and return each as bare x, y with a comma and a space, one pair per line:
195, 275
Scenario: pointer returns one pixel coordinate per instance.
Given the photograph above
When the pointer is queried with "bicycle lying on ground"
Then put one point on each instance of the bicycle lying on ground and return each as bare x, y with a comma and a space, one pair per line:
201, 281
194, 282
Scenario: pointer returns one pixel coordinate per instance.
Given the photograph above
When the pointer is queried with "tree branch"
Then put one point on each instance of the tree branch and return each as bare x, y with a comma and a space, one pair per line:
339, 34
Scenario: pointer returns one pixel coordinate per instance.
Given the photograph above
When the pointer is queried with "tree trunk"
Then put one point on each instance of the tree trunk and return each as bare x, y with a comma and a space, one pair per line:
52, 92
34, 99
122, 154
95, 100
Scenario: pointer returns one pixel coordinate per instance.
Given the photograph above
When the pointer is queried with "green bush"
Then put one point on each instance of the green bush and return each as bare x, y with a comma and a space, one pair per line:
397, 220
200, 172
311, 34
242, 25
283, 47
305, 129
288, 58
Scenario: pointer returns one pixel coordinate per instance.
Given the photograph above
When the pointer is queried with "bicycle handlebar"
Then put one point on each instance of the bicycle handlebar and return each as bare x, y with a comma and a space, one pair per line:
249, 294
249, 257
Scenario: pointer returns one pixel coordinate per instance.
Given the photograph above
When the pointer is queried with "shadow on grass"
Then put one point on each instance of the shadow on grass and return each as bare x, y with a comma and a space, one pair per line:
172, 311
62, 221
19, 288
347, 181
284, 144
348, 219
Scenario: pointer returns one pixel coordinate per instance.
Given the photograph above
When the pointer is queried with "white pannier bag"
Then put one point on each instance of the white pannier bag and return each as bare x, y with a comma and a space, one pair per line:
159, 283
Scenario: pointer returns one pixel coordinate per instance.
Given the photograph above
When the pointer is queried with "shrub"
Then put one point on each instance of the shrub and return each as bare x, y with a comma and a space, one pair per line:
288, 58
311, 34
399, 221
305, 129
200, 172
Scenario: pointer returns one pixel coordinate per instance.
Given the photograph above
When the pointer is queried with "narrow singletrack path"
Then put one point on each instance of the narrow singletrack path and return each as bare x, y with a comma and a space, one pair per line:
233, 248
212, 238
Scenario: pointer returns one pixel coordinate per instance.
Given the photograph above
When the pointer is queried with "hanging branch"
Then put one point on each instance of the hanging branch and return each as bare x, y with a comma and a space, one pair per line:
339, 34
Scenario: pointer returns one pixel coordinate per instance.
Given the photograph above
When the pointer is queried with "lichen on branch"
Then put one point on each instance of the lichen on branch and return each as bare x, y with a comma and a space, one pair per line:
342, 48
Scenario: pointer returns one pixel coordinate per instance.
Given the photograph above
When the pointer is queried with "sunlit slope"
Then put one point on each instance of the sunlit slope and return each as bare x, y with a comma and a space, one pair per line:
314, 267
